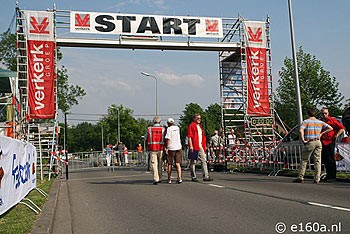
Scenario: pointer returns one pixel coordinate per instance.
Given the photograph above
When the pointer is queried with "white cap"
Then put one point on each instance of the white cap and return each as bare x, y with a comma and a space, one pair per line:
171, 120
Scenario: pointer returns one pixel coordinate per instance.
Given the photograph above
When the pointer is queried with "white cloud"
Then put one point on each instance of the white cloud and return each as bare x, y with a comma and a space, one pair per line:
194, 80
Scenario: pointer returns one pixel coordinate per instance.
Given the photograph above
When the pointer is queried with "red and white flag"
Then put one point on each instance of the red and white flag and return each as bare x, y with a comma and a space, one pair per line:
257, 80
41, 70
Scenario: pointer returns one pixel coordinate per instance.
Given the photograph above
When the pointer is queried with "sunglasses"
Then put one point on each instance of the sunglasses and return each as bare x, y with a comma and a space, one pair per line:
323, 113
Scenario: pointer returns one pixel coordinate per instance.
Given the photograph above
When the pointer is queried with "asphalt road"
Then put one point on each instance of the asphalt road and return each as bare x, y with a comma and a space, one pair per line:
125, 201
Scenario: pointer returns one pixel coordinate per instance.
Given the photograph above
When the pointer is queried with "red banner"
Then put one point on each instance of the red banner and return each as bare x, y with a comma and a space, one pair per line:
41, 75
41, 70
257, 80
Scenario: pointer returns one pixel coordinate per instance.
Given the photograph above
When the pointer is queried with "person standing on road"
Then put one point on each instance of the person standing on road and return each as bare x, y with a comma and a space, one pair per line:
328, 143
197, 148
173, 149
155, 145
115, 153
108, 155
125, 154
214, 145
120, 153
311, 131
139, 154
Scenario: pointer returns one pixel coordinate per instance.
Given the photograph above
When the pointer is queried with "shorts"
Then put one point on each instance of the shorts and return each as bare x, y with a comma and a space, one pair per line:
177, 154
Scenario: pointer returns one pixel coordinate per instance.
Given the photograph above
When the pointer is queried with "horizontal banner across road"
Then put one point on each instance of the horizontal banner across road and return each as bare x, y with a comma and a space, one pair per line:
145, 25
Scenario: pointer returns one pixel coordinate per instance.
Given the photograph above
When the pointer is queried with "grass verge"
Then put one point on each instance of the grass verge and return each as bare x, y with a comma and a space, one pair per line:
20, 219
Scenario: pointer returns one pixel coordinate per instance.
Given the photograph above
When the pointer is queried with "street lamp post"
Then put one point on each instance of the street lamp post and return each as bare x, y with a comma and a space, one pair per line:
102, 143
296, 77
118, 126
155, 78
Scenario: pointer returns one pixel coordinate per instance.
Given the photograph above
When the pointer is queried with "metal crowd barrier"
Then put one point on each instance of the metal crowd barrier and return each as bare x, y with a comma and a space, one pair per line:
273, 159
95, 159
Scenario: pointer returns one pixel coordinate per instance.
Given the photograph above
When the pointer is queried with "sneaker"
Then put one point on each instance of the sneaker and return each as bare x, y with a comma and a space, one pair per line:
208, 179
179, 181
298, 181
169, 181
194, 179
155, 182
316, 182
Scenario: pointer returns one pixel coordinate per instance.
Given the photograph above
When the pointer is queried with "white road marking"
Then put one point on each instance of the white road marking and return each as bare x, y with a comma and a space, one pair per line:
329, 206
217, 186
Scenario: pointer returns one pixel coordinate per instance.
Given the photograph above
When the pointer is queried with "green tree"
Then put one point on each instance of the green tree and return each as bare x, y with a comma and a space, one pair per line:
347, 103
84, 137
8, 50
317, 87
68, 95
213, 118
131, 129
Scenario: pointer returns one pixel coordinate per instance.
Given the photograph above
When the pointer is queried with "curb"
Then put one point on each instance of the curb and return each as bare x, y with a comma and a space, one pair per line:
45, 221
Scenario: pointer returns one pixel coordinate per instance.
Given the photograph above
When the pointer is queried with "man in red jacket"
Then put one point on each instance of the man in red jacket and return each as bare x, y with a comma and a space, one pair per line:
328, 143
197, 148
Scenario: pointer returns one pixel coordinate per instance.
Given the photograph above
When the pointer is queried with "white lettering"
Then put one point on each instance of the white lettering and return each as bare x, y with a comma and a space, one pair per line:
38, 81
39, 95
38, 67
255, 78
39, 105
37, 50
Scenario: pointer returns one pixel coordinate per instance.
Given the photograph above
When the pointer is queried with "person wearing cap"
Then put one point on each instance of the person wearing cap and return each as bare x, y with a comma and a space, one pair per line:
173, 149
155, 144
197, 148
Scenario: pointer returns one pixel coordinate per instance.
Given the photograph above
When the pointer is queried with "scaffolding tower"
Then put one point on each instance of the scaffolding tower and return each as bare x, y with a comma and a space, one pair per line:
40, 132
254, 133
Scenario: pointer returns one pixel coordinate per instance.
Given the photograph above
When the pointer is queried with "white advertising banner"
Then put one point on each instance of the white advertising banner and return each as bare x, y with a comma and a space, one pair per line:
342, 156
17, 171
145, 25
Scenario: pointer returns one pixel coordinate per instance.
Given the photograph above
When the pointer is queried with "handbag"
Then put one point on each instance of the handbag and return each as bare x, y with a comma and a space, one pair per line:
193, 155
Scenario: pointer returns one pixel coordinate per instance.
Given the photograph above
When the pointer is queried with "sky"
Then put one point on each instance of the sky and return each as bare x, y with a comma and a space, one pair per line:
113, 76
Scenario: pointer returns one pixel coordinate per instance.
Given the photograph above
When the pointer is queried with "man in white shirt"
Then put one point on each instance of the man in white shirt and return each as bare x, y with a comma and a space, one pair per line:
173, 149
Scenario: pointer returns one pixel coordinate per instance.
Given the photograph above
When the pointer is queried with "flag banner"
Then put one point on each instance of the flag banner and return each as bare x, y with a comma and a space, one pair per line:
17, 171
258, 102
145, 25
41, 70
